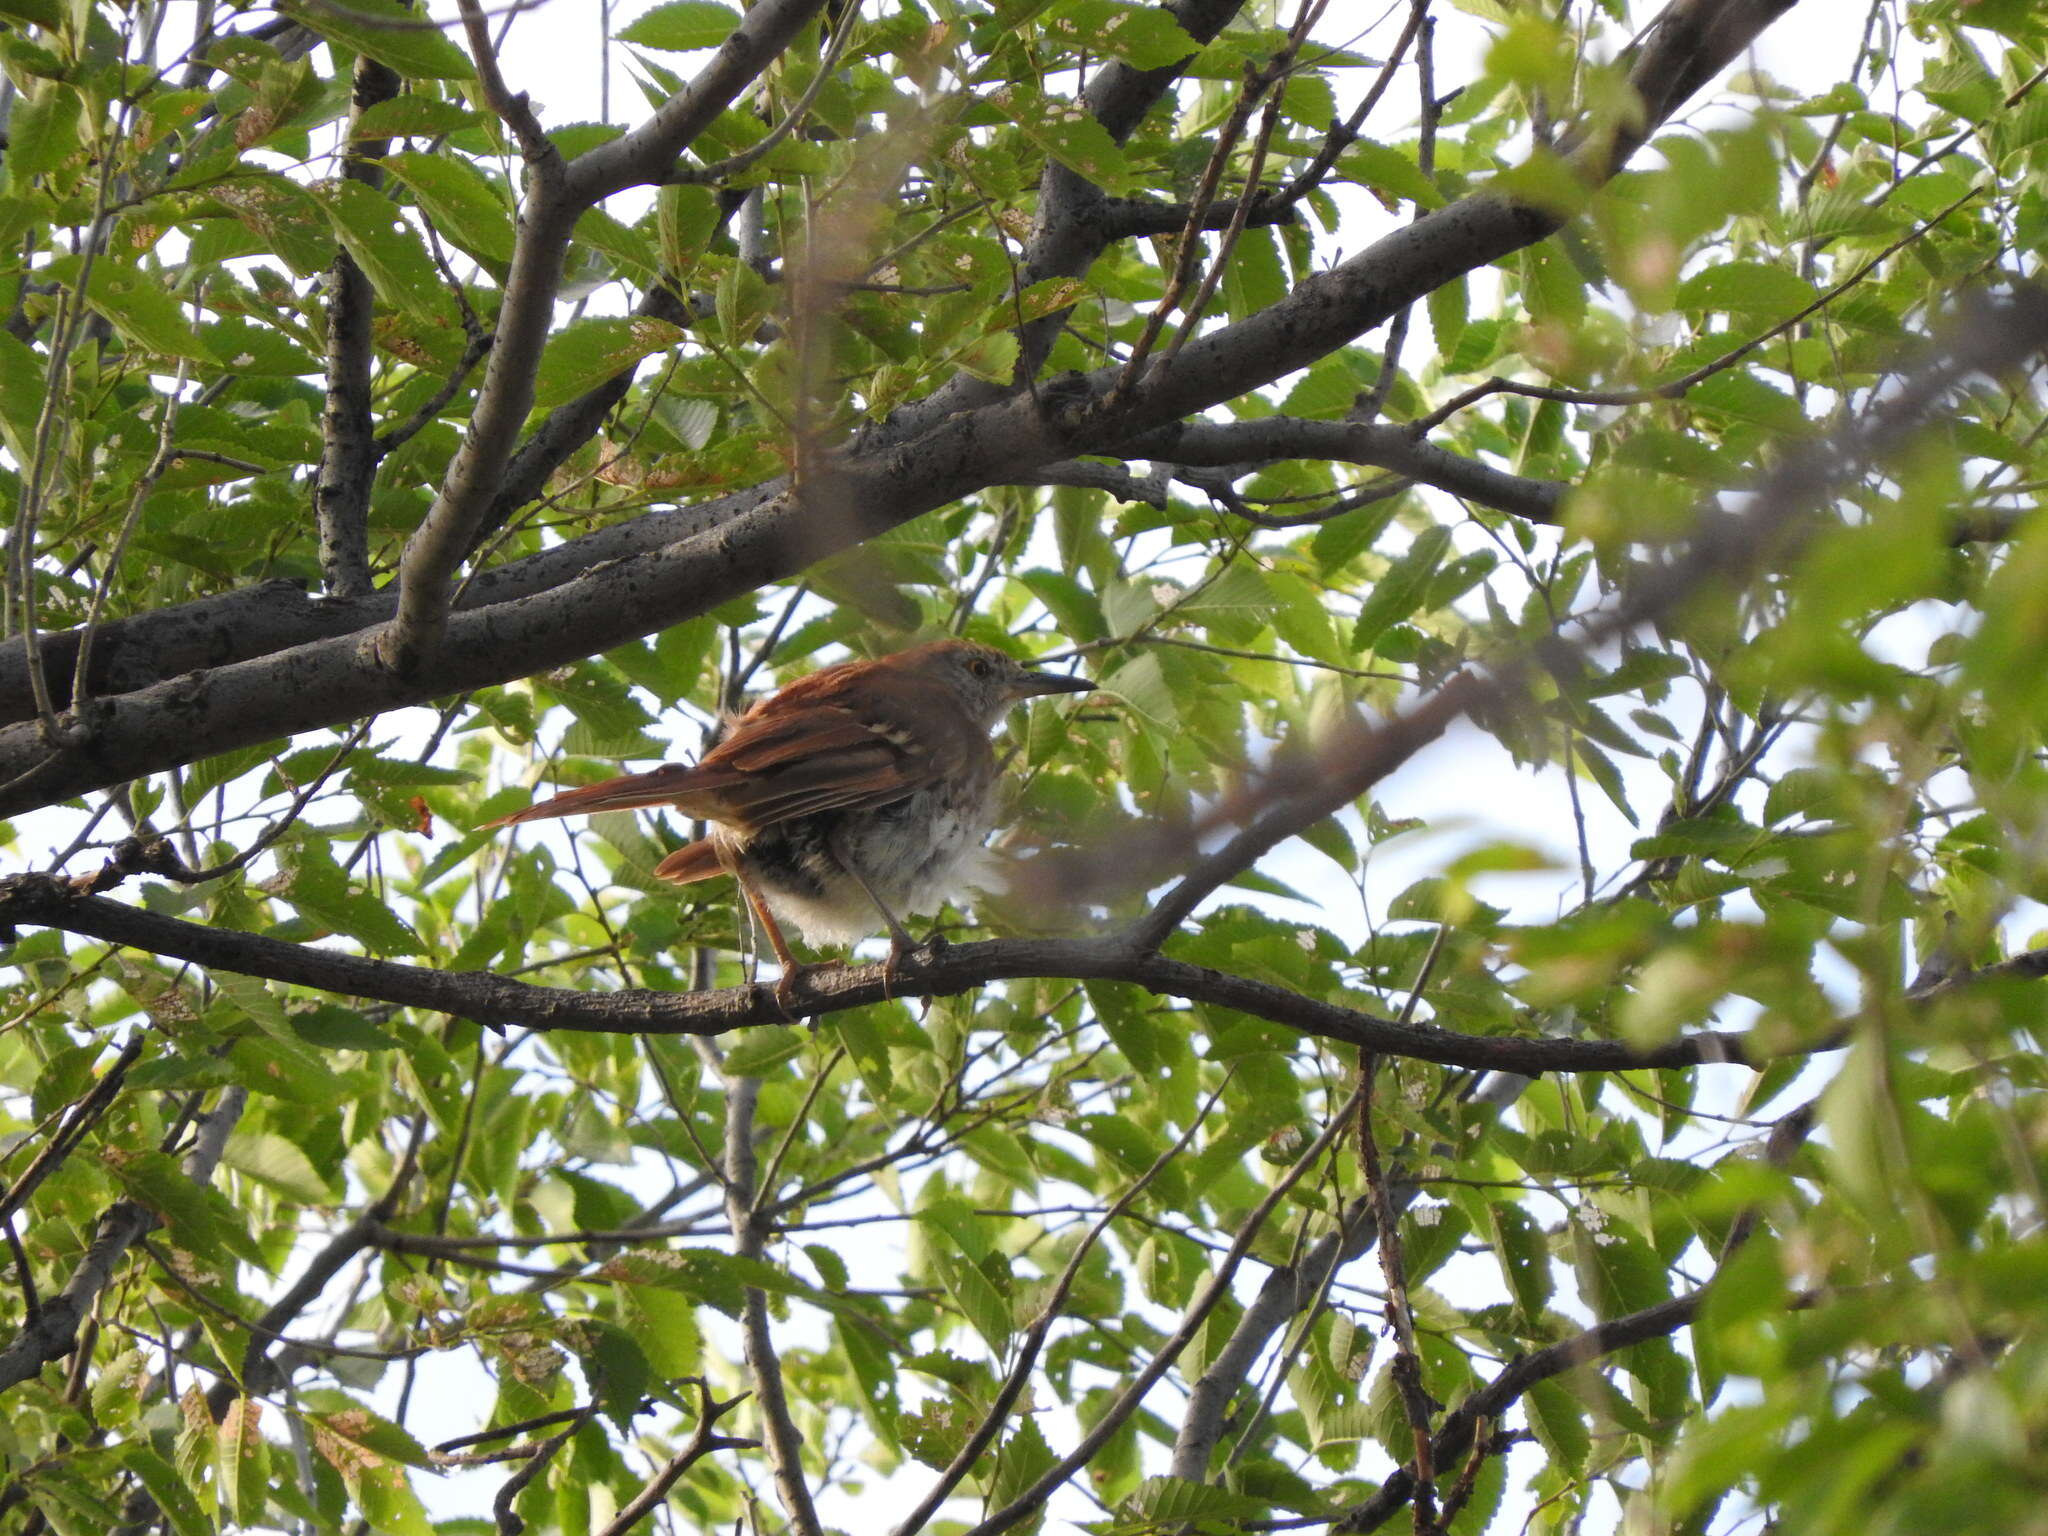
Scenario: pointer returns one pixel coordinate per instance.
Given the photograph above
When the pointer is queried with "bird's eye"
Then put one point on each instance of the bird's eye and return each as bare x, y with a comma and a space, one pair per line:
979, 666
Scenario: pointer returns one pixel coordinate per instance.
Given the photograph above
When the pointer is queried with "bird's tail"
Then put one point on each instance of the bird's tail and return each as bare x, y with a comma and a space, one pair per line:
672, 784
695, 861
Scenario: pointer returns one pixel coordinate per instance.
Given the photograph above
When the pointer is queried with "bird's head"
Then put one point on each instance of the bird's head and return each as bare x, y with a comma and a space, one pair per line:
986, 682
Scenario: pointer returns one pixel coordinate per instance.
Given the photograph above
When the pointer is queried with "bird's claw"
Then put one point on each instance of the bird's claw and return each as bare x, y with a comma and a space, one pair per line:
792, 975
901, 945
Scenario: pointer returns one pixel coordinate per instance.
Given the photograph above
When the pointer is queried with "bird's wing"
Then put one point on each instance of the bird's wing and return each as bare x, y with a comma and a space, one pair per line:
775, 764
785, 763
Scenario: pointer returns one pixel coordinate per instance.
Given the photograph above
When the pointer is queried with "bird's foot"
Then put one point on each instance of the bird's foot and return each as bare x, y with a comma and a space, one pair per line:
793, 975
901, 945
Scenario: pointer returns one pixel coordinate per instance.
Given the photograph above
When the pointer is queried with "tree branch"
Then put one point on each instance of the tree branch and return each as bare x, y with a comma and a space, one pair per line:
897, 473
1489, 1403
645, 156
548, 215
53, 1332
1381, 446
497, 1000
764, 1364
348, 456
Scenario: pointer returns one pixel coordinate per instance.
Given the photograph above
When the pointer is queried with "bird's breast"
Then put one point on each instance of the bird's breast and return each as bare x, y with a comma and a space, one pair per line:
916, 854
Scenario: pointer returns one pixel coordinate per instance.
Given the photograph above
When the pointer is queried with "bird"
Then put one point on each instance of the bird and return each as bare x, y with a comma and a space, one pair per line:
861, 791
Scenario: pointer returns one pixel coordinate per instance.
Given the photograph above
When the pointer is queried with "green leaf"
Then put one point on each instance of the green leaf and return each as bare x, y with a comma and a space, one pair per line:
1172, 1501
316, 885
388, 32
1398, 593
256, 351
664, 1326
974, 1294
683, 26
414, 117
584, 355
272, 1160
1144, 37
1391, 172
1523, 1253
1066, 131
764, 1048
343, 1415
389, 250
463, 204
173, 1495
198, 1219
147, 317
1559, 1421
717, 1279
21, 396
285, 216
44, 132
243, 1463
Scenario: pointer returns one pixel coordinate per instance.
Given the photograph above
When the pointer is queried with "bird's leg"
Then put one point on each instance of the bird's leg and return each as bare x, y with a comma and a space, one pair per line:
900, 941
785, 986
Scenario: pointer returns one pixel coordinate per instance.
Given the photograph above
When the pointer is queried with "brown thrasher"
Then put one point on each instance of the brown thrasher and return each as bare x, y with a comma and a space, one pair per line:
860, 791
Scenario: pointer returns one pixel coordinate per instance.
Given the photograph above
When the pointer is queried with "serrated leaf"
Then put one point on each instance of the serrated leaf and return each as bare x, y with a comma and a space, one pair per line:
343, 1415
388, 32
284, 216
243, 1463
1559, 1420
1397, 594
584, 355
682, 26
389, 250
1173, 1501
147, 316
461, 201
272, 1160
256, 351
976, 1296
664, 1325
764, 1048
1067, 131
1523, 1252
1142, 36
1388, 170
414, 117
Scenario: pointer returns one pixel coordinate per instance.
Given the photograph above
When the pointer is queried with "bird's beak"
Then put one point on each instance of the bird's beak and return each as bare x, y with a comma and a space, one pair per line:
1032, 684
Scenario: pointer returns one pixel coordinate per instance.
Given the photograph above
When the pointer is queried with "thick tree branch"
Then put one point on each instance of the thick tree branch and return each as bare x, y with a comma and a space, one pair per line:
447, 534
646, 156
348, 456
878, 485
42, 901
